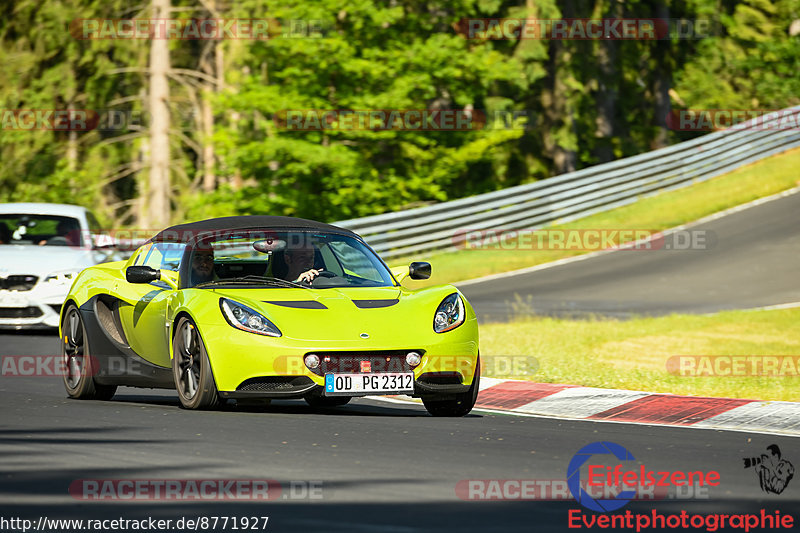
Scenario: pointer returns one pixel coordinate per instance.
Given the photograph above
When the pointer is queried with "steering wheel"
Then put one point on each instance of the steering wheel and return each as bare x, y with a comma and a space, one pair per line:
321, 280
322, 274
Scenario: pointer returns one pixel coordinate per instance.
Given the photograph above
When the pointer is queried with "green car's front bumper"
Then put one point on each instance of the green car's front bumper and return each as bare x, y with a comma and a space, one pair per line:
250, 365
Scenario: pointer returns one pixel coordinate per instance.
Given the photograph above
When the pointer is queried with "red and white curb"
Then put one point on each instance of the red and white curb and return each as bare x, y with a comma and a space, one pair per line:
634, 407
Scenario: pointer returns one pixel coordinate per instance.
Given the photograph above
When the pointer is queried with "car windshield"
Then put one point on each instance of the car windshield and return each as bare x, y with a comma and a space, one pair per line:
279, 259
47, 230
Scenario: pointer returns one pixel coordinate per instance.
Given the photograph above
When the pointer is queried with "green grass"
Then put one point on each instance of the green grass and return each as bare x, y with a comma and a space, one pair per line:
633, 354
659, 212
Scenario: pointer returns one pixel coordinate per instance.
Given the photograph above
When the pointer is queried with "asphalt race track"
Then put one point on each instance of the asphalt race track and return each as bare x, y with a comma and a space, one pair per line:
373, 465
750, 258
389, 467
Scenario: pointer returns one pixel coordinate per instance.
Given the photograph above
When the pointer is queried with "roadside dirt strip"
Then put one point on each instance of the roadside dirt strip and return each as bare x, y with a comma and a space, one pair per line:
634, 407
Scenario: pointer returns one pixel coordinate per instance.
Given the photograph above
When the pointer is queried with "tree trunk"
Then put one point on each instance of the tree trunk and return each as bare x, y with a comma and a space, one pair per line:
607, 53
72, 150
214, 69
558, 119
662, 81
159, 184
209, 178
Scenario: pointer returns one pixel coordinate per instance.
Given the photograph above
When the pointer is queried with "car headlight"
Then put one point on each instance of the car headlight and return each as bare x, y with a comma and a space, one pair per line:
65, 277
242, 317
450, 314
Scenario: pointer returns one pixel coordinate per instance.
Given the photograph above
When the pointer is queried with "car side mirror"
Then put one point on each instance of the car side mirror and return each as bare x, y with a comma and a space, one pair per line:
419, 270
142, 274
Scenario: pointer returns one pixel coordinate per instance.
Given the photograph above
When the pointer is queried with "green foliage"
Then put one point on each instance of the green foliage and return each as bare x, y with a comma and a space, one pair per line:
372, 54
752, 65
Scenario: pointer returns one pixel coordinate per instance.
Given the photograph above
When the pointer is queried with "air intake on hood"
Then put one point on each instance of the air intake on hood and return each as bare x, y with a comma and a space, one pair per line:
299, 304
374, 304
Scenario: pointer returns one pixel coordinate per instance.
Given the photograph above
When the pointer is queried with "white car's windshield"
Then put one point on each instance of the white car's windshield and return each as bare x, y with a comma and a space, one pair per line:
50, 230
316, 259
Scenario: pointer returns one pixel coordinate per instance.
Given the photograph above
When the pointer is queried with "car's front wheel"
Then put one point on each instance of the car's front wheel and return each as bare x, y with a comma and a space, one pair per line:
191, 369
79, 366
462, 404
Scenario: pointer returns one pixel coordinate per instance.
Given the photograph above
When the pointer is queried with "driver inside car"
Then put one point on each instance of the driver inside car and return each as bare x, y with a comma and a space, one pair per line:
300, 264
202, 266
67, 234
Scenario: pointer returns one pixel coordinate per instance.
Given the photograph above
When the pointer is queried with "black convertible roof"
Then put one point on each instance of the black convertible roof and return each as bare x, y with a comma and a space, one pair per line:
189, 232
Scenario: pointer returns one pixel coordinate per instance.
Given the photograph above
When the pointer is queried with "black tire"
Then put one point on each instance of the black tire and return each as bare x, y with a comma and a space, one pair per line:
79, 366
461, 405
191, 369
316, 399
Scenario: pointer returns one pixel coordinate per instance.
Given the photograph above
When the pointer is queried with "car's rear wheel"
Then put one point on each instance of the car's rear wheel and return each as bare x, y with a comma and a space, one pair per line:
79, 366
462, 404
191, 369
316, 399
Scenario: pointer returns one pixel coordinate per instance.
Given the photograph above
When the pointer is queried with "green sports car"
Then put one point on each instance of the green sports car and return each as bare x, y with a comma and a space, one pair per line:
263, 307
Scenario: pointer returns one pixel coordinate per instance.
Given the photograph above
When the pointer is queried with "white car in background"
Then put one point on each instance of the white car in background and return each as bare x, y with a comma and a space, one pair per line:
42, 248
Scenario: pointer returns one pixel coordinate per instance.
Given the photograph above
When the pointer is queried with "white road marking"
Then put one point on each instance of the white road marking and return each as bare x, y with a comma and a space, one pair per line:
757, 416
581, 402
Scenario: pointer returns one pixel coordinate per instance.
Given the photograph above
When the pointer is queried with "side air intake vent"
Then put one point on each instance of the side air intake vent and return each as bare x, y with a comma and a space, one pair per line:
107, 311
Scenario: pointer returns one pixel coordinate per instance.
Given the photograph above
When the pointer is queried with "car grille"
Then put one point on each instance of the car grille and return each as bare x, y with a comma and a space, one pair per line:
274, 383
350, 362
20, 312
18, 282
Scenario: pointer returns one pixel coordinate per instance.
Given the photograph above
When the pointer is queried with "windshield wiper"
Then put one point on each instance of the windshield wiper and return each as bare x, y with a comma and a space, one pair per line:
254, 279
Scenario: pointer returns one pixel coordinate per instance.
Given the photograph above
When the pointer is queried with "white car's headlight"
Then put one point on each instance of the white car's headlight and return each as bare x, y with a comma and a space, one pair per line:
242, 317
64, 277
450, 314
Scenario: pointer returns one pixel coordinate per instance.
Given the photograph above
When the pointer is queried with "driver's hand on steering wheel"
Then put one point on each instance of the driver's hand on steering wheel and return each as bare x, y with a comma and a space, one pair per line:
309, 275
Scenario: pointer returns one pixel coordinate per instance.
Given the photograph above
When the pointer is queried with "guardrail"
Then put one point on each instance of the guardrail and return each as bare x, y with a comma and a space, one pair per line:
575, 194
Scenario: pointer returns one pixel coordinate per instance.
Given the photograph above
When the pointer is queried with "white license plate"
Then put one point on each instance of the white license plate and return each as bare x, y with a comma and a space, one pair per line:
369, 383
12, 299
